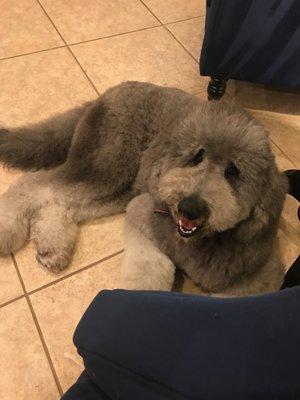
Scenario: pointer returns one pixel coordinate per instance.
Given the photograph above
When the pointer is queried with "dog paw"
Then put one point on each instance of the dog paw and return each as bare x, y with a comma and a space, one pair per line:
54, 260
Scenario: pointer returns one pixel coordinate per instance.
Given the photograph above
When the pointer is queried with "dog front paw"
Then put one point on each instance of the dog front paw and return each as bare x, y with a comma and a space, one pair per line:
55, 261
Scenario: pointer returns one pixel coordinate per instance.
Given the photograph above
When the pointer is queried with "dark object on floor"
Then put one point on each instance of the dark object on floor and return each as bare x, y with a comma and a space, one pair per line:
294, 184
216, 88
253, 40
292, 277
166, 346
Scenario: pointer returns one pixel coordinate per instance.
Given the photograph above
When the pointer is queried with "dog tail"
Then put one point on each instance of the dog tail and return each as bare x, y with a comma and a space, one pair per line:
40, 146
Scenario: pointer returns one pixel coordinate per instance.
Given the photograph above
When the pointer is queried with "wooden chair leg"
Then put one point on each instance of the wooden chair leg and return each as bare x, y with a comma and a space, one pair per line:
216, 88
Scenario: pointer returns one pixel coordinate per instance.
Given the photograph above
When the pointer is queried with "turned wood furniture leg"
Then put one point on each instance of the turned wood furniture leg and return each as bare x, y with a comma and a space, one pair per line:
216, 88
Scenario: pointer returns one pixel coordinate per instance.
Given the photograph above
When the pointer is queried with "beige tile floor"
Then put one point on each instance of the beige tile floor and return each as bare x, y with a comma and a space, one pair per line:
55, 54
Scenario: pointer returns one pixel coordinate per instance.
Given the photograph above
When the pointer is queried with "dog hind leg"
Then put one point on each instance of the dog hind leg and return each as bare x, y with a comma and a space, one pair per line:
55, 228
14, 221
55, 234
14, 230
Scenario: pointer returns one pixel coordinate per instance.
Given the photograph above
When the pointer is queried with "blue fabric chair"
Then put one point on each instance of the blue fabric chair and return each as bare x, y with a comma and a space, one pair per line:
158, 345
251, 40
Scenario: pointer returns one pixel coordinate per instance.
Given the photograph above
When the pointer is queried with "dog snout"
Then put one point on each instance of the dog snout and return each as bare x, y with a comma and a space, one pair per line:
192, 207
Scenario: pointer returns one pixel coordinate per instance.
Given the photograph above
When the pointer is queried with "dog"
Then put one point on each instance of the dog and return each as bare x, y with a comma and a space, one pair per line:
205, 167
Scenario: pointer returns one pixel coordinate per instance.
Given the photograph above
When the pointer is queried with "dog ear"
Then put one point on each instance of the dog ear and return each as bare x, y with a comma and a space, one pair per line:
266, 213
151, 165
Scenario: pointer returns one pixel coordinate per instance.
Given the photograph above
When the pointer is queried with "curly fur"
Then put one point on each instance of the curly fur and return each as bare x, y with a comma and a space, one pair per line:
136, 138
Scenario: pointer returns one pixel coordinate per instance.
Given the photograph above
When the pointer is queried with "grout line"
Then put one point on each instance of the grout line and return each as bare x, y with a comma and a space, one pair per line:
67, 45
76, 272
72, 54
12, 301
178, 41
38, 329
113, 35
151, 12
84, 72
280, 149
19, 275
33, 52
166, 28
185, 19
98, 38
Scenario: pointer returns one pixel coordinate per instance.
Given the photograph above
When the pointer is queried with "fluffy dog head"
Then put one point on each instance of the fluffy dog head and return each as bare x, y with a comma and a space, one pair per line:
216, 172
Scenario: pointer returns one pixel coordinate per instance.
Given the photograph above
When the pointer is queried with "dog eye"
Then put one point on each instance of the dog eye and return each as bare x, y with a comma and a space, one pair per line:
231, 171
197, 159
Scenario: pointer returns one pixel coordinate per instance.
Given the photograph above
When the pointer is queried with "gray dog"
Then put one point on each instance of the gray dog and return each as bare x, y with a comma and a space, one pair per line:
212, 192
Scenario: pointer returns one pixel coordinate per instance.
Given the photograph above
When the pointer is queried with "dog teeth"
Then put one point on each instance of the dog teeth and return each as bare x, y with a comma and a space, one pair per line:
184, 230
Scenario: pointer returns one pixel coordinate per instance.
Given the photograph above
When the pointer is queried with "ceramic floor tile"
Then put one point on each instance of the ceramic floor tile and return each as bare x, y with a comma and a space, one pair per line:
284, 131
25, 372
289, 240
60, 307
151, 55
37, 85
290, 214
176, 10
289, 232
190, 33
282, 161
9, 281
97, 240
262, 97
78, 21
25, 28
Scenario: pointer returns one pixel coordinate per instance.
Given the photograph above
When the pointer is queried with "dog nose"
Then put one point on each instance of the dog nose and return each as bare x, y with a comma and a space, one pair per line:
192, 207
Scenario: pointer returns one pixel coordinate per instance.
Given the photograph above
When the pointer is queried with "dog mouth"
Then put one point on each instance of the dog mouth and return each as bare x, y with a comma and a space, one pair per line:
185, 226
188, 228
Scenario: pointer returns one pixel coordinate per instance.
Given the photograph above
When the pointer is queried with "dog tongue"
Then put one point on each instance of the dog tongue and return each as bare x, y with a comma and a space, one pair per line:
188, 224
